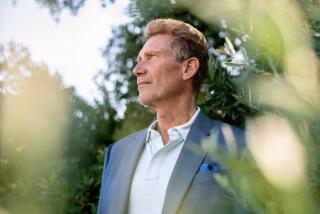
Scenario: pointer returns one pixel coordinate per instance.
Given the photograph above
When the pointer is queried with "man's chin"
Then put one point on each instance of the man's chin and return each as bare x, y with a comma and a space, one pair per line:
145, 102
142, 102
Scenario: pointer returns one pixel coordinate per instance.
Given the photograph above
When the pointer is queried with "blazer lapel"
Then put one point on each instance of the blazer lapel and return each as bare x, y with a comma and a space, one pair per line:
187, 164
126, 170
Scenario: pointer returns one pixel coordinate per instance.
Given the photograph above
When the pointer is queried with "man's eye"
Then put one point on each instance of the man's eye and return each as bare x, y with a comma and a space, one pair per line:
149, 57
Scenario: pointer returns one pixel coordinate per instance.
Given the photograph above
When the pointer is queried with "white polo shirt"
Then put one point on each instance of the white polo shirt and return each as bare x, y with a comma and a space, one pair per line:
153, 171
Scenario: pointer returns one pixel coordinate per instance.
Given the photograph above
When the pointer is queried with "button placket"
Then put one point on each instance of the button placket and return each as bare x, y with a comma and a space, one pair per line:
155, 166
159, 151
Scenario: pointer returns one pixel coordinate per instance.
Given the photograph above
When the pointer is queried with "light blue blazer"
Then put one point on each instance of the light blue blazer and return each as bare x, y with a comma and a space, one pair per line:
191, 188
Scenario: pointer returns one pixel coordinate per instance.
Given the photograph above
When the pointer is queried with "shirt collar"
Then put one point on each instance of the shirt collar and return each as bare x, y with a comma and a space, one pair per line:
182, 129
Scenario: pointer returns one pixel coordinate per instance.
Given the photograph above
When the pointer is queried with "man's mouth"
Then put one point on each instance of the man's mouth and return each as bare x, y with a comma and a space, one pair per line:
143, 83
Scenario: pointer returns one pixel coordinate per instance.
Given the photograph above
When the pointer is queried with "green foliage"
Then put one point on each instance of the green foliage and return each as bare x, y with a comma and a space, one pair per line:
268, 83
67, 180
220, 98
93, 128
229, 93
28, 94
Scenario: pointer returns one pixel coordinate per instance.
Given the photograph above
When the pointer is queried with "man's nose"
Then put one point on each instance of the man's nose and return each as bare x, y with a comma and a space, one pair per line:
139, 69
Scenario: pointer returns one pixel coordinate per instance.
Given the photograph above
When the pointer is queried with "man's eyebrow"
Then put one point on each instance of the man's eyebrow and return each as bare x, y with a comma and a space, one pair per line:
152, 52
148, 53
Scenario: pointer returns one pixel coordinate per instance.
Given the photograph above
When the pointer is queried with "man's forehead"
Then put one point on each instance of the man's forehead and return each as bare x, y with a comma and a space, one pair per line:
157, 42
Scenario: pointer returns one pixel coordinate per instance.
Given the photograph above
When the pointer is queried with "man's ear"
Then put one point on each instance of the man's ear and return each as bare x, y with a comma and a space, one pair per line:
191, 66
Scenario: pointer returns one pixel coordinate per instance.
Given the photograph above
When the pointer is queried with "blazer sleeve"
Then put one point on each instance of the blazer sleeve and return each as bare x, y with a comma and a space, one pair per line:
104, 173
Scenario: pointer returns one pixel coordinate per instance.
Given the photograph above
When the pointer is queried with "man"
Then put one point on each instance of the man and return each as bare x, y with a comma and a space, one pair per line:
155, 170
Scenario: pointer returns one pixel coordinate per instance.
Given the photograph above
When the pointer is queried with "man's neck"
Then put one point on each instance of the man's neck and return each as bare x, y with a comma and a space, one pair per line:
173, 115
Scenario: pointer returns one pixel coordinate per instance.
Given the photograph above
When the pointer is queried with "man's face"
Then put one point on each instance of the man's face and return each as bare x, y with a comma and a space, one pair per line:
159, 75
